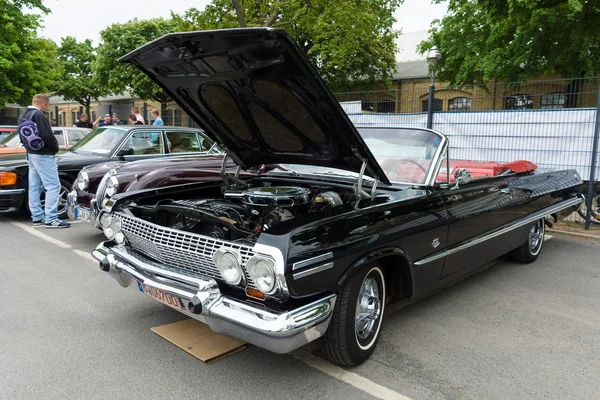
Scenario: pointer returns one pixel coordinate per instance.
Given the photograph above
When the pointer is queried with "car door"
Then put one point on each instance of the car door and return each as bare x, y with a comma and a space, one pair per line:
474, 210
144, 143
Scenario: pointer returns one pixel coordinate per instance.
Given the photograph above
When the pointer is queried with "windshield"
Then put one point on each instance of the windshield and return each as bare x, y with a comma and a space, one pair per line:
404, 154
100, 142
11, 140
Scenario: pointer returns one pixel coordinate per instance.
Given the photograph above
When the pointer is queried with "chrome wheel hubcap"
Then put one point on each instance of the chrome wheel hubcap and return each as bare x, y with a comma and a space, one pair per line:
536, 235
368, 308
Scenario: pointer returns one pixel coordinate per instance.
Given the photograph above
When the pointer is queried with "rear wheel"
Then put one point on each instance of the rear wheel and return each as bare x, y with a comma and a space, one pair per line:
356, 322
529, 251
594, 210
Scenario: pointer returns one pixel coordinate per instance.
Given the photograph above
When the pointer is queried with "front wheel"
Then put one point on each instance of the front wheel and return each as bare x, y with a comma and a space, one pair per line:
62, 200
529, 251
356, 322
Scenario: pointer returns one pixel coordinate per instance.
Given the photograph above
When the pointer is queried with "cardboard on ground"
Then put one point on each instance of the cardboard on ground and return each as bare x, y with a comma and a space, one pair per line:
199, 340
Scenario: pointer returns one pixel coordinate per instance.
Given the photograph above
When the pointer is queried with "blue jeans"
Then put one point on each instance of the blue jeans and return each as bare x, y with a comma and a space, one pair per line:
43, 174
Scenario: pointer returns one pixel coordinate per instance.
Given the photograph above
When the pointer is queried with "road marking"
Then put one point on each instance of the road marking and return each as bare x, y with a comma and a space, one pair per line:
34, 232
85, 255
359, 382
547, 237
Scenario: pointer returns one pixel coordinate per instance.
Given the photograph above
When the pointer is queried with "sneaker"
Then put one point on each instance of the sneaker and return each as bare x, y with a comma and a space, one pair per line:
38, 222
57, 225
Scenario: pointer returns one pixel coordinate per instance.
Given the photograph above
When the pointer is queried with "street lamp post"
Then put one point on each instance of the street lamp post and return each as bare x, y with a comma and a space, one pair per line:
433, 57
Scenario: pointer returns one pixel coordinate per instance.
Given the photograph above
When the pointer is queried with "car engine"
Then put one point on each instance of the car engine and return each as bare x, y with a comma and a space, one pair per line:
241, 214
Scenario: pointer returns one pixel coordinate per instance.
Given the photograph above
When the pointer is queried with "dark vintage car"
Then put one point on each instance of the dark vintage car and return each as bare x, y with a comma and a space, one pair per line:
337, 222
98, 183
65, 137
121, 143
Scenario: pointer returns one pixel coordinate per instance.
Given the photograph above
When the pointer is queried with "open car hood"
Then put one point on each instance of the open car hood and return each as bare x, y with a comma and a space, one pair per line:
253, 91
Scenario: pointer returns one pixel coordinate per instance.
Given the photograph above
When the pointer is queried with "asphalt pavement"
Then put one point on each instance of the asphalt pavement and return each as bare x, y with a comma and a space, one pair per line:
512, 331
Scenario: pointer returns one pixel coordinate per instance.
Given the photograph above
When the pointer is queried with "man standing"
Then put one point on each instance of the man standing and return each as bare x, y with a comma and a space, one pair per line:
43, 171
116, 120
133, 120
83, 122
135, 111
107, 121
156, 117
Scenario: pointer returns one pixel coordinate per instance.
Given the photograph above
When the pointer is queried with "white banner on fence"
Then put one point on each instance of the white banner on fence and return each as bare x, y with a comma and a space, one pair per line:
556, 139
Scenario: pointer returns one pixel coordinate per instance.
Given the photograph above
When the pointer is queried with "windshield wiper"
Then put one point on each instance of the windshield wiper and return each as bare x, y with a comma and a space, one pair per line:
294, 172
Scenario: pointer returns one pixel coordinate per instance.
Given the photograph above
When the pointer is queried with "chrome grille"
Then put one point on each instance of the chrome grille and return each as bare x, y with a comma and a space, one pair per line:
182, 252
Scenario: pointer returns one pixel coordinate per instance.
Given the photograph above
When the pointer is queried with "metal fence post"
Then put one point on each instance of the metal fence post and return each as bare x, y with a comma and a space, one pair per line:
590, 193
430, 107
145, 113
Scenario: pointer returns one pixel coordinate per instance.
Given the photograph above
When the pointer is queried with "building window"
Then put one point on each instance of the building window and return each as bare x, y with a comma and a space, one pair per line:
459, 104
366, 106
437, 105
178, 117
386, 106
519, 102
553, 100
74, 117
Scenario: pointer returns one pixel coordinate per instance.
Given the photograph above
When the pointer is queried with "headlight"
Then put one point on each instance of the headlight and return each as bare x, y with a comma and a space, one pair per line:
263, 274
83, 180
106, 224
112, 186
228, 264
115, 226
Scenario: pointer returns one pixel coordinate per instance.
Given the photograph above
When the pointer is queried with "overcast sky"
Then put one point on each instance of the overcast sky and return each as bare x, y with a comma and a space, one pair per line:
85, 20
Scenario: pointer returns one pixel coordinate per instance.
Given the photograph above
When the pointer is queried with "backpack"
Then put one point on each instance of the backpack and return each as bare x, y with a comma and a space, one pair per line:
29, 134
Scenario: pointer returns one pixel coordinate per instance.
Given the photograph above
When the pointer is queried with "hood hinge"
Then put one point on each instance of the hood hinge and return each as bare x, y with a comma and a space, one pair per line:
359, 192
231, 181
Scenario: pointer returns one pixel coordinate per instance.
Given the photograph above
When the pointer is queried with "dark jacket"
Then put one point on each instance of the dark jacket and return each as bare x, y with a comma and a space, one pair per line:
86, 124
45, 131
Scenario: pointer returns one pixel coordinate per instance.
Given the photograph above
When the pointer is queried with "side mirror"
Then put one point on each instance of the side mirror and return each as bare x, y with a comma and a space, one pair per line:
125, 151
462, 176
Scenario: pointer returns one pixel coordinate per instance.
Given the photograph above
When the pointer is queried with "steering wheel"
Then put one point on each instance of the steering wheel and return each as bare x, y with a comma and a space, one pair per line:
411, 161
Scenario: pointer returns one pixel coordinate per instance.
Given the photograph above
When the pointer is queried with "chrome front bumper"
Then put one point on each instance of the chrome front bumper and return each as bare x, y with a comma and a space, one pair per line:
279, 332
93, 210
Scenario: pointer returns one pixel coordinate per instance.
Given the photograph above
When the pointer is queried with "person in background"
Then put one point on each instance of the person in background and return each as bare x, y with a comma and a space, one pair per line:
135, 111
43, 171
83, 122
154, 114
134, 121
107, 121
116, 120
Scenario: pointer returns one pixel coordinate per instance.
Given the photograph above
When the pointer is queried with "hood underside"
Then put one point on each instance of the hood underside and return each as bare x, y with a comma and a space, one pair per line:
256, 93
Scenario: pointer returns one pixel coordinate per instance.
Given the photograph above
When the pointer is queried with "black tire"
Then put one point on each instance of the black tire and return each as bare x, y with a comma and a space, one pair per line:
594, 210
345, 343
529, 251
62, 203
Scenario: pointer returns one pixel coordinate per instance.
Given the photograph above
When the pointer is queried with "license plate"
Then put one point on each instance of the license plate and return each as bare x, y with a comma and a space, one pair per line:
159, 295
83, 215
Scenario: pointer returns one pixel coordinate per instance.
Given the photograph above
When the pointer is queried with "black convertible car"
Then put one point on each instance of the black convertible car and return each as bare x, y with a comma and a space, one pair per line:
104, 145
336, 223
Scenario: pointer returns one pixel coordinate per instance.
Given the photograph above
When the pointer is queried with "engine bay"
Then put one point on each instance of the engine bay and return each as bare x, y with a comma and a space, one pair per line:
241, 214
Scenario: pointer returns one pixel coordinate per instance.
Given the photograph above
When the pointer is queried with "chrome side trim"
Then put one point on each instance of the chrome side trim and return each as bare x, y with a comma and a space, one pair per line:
314, 270
507, 228
313, 260
12, 191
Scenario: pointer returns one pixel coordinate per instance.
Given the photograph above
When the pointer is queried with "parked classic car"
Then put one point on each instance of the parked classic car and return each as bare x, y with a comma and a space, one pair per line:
66, 137
6, 130
97, 183
336, 223
122, 143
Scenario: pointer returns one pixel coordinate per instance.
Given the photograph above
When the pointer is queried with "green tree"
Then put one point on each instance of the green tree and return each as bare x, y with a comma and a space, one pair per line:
349, 41
77, 80
27, 63
512, 40
118, 40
